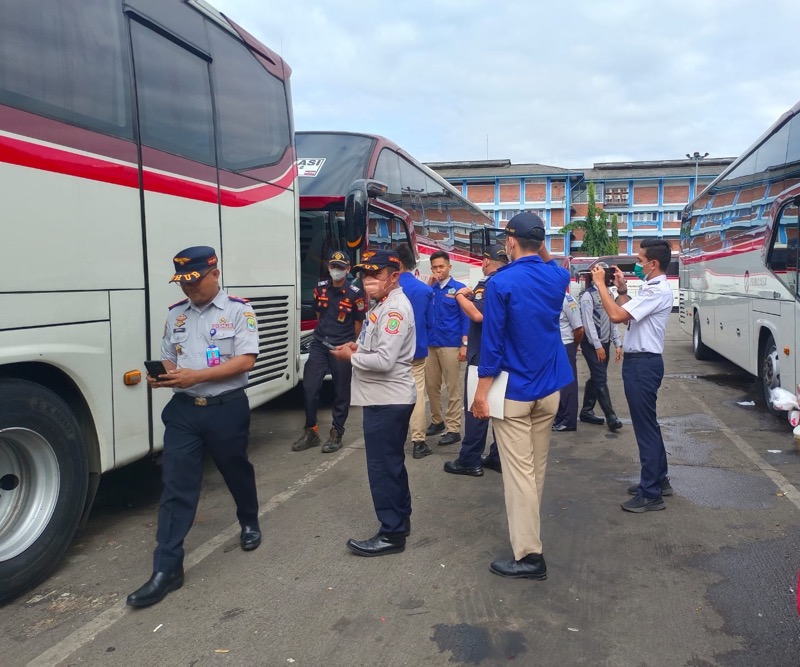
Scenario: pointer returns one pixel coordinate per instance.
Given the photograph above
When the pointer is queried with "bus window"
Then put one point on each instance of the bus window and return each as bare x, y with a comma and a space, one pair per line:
783, 253
388, 171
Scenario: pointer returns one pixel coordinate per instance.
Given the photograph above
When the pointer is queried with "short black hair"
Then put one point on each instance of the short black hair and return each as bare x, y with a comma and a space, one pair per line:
440, 254
659, 250
406, 256
528, 245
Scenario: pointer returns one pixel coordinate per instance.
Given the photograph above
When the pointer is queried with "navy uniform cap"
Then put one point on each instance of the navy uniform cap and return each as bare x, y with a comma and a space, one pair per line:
338, 258
496, 252
375, 260
526, 225
193, 263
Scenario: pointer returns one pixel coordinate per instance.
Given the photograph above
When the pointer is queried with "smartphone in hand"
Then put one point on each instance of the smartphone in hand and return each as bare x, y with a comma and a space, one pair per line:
155, 368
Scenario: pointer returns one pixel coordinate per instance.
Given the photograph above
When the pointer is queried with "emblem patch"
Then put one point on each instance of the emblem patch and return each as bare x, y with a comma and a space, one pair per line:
392, 325
251, 323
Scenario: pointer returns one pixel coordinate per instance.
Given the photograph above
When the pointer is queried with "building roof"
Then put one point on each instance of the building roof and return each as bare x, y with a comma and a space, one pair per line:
483, 169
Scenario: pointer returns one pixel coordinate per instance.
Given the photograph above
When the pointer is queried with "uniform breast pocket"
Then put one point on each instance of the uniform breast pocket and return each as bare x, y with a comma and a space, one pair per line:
178, 339
224, 340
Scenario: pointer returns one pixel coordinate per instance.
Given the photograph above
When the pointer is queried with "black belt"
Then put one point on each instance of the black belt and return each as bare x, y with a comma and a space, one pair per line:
634, 355
204, 401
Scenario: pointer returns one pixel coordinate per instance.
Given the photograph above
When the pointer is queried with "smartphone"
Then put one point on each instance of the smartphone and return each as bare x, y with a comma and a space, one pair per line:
155, 368
330, 346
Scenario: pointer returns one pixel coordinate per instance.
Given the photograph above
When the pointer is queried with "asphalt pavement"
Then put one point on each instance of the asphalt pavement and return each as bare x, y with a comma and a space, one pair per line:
710, 581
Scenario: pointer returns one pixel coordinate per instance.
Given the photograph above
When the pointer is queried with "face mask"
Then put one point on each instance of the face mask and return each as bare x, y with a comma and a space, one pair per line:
372, 286
638, 271
338, 274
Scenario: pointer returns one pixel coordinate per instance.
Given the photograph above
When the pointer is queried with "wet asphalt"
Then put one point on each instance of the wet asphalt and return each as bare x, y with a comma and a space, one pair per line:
710, 581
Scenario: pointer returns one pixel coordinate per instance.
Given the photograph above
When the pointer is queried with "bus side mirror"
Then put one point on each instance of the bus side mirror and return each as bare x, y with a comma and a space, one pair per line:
356, 210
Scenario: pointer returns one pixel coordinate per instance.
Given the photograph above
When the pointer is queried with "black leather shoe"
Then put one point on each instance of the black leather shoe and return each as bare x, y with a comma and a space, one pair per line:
450, 438
591, 418
334, 442
435, 429
492, 464
251, 537
640, 504
666, 489
156, 588
560, 428
420, 450
379, 545
530, 567
455, 468
407, 526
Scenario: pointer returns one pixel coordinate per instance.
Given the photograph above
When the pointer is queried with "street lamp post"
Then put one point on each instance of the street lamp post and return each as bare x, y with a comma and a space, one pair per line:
697, 159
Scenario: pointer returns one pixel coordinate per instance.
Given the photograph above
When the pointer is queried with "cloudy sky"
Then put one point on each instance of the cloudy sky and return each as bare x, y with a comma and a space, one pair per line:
565, 84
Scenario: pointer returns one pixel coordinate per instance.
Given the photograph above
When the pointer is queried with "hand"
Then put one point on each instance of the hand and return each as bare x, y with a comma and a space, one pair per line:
155, 383
465, 291
619, 280
598, 276
180, 378
462, 353
480, 408
431, 280
619, 354
344, 352
601, 355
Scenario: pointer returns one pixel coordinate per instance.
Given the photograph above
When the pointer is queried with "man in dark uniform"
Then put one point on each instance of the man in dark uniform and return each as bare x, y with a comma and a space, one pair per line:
210, 344
384, 385
340, 309
469, 461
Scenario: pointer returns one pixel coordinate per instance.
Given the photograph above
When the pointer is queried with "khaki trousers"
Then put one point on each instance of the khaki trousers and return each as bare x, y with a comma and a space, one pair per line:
523, 439
418, 425
443, 361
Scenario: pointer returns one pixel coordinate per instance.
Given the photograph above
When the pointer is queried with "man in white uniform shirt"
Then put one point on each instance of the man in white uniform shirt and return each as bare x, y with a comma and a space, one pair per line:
646, 315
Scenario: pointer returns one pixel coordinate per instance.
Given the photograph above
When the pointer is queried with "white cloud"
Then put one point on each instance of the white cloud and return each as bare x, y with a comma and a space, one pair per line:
563, 84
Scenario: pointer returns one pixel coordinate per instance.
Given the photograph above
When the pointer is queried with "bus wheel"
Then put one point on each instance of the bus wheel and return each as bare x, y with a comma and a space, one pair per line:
769, 371
43, 483
701, 351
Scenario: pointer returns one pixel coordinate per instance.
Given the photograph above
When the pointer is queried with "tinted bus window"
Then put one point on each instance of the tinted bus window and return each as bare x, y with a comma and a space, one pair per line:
66, 60
388, 171
346, 157
174, 96
252, 116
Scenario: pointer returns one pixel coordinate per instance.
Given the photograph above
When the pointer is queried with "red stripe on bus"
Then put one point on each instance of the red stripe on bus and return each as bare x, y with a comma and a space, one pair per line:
95, 168
429, 250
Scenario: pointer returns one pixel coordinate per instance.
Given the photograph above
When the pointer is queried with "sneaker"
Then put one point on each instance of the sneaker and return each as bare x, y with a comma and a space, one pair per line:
435, 429
642, 504
666, 489
309, 439
334, 442
421, 450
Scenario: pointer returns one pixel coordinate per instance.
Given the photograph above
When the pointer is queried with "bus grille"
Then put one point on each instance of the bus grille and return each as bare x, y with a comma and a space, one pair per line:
273, 339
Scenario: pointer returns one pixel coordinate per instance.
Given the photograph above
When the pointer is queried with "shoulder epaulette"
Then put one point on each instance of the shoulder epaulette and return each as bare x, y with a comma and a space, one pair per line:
569, 297
354, 288
180, 303
323, 282
238, 299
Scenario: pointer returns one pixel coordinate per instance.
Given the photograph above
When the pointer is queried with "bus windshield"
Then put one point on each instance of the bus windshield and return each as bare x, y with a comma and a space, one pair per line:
328, 163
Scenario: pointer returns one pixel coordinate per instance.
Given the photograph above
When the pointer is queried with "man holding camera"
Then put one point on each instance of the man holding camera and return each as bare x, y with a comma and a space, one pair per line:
647, 316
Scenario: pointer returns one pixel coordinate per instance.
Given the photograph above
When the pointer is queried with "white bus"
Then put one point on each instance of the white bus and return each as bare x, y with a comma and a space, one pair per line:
128, 131
739, 260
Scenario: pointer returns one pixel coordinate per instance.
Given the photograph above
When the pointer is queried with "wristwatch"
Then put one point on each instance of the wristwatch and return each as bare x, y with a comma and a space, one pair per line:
464, 342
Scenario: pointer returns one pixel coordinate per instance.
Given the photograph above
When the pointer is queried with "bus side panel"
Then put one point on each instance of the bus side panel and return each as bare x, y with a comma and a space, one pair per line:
129, 345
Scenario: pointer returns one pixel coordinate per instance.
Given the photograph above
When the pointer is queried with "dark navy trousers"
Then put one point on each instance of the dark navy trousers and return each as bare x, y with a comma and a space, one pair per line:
385, 431
474, 442
191, 430
641, 377
598, 370
568, 403
320, 362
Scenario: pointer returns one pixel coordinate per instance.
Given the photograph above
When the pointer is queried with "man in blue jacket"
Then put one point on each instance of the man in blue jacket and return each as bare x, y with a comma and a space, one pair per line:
447, 347
521, 336
421, 298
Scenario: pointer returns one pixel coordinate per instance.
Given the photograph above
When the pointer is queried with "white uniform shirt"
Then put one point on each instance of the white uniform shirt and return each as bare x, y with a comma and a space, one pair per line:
227, 322
569, 320
650, 311
386, 347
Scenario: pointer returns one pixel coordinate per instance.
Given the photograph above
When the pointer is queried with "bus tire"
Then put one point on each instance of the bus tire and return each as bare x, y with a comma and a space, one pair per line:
44, 478
769, 372
701, 351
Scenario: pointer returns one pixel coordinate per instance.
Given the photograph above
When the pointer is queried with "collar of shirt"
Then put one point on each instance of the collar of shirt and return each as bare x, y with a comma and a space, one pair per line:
444, 283
657, 279
218, 301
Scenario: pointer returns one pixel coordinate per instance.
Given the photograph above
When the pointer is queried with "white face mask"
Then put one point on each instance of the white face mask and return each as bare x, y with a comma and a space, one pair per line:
338, 274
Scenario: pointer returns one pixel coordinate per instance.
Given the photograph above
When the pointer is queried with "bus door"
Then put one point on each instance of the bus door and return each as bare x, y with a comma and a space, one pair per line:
180, 192
782, 261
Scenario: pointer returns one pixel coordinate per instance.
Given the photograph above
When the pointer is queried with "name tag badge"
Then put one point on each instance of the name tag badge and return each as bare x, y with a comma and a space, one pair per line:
212, 356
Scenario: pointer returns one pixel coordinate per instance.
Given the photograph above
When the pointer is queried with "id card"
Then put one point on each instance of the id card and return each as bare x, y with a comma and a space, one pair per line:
212, 355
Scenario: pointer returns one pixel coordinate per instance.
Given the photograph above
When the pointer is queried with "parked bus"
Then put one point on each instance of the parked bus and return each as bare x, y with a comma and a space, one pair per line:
416, 206
128, 130
739, 260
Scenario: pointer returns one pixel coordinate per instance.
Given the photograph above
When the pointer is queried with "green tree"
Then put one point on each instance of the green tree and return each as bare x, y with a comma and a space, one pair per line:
597, 240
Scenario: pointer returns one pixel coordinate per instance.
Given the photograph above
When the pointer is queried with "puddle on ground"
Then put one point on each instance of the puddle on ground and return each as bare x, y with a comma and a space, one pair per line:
741, 381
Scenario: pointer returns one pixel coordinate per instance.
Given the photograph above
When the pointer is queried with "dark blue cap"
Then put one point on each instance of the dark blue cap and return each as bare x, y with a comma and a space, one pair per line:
526, 225
496, 252
193, 263
375, 260
338, 258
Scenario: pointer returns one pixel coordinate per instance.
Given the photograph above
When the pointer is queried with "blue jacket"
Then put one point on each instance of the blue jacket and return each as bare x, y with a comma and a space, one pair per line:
450, 323
421, 298
521, 335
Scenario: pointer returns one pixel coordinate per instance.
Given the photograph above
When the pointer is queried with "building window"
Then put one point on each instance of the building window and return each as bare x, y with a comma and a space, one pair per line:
644, 216
616, 196
506, 215
672, 216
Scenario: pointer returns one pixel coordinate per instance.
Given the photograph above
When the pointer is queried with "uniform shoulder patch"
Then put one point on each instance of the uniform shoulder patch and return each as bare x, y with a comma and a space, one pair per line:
180, 303
238, 299
323, 283
355, 288
569, 298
